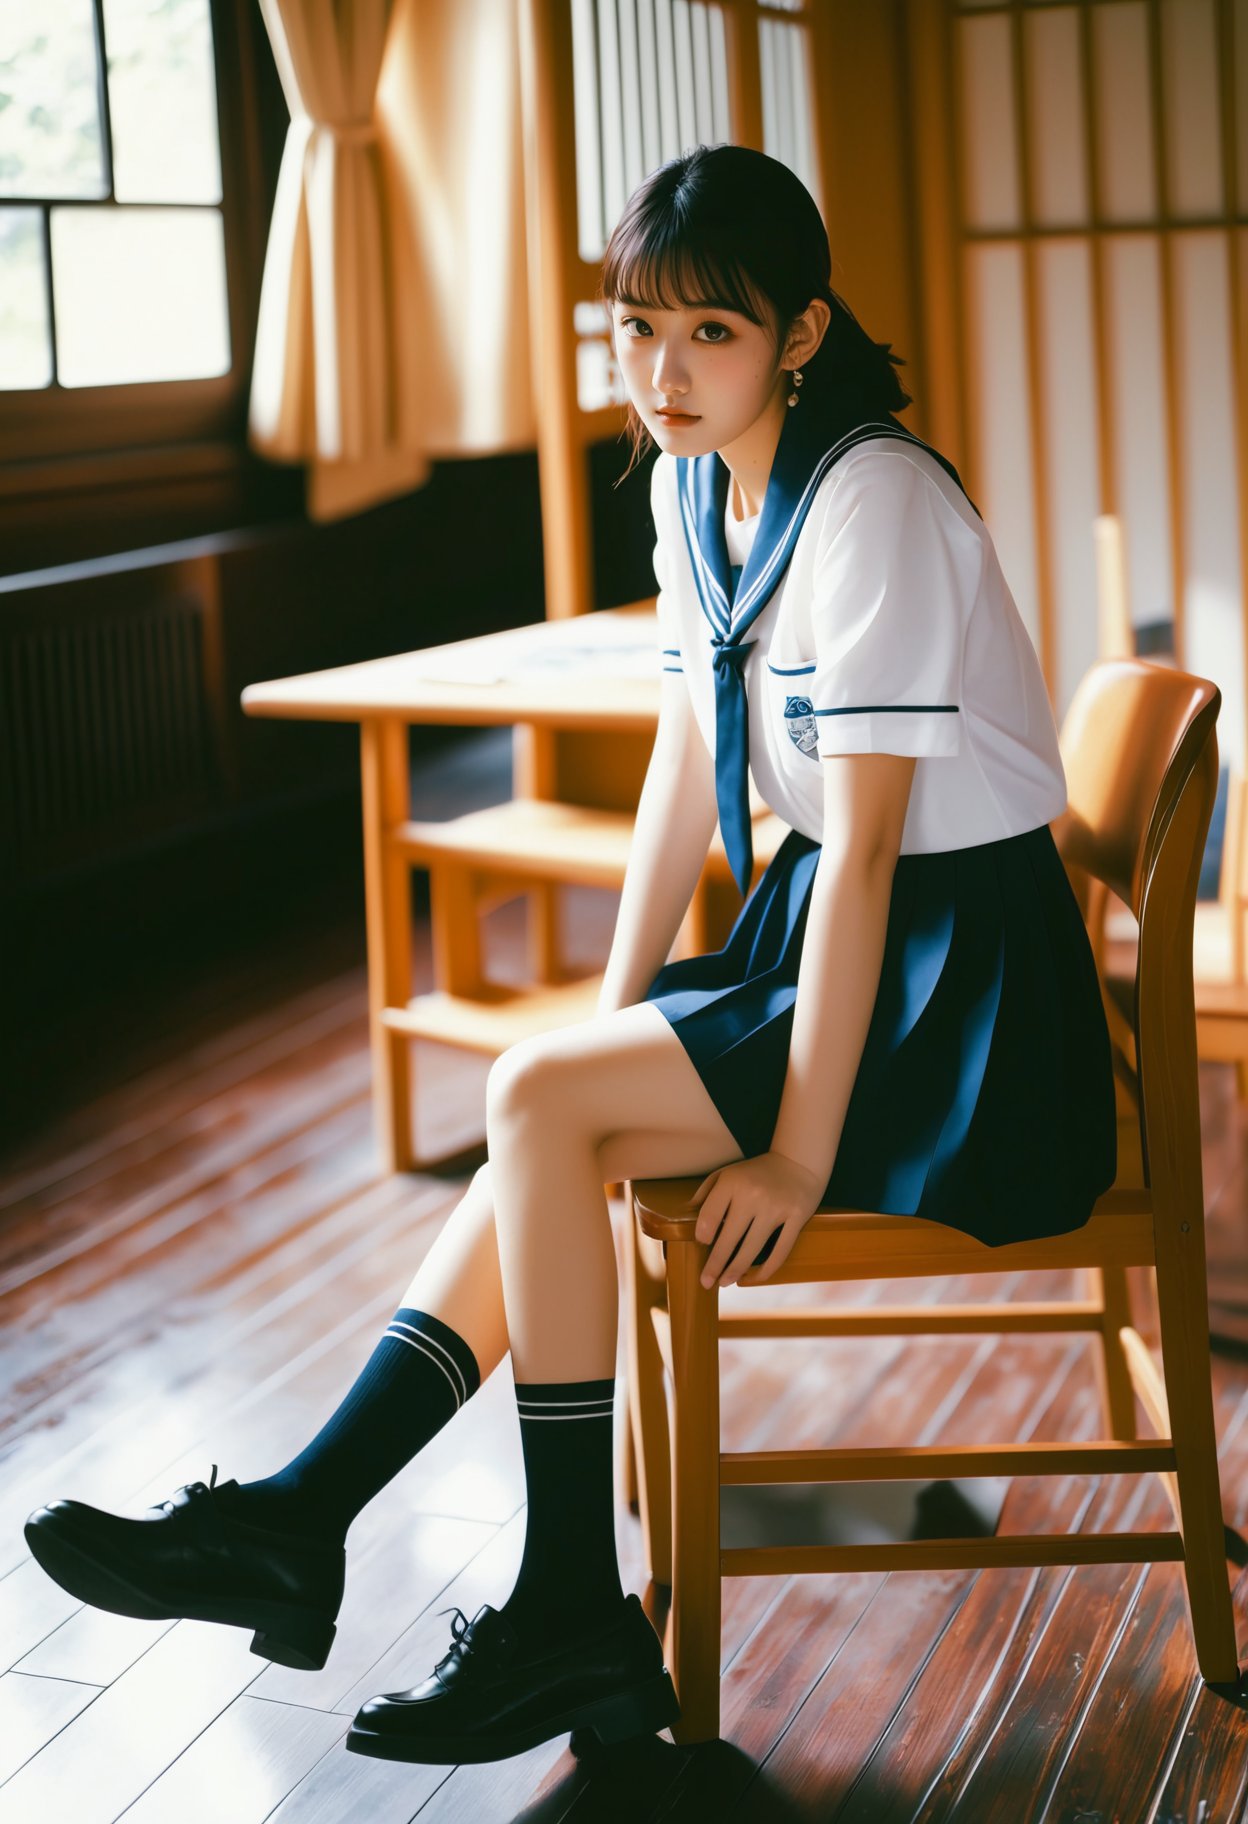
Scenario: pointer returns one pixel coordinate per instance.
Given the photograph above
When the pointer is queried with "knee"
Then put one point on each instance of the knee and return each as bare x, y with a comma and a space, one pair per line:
522, 1082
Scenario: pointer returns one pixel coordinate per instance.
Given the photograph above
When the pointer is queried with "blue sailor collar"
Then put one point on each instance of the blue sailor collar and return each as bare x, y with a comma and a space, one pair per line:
733, 596
811, 442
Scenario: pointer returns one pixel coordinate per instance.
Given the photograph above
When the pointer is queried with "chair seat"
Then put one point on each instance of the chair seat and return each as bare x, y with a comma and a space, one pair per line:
863, 1244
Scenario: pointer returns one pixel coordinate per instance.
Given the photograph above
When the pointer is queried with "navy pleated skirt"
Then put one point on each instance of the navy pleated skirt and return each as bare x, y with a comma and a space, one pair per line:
984, 1097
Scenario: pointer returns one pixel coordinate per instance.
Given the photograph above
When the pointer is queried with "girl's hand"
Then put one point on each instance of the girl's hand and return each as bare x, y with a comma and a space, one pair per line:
743, 1203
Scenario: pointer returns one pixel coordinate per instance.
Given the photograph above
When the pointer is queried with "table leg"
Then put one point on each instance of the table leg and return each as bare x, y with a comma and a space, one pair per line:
535, 774
386, 802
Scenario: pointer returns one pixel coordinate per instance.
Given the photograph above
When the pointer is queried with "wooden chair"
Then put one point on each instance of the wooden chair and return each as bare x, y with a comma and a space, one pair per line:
1219, 950
1141, 759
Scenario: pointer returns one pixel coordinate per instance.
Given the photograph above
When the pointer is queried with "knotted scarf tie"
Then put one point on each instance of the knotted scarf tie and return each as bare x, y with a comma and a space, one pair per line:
732, 756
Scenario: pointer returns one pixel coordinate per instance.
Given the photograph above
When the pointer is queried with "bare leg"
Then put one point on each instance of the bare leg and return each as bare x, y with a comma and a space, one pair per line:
566, 1112
460, 1279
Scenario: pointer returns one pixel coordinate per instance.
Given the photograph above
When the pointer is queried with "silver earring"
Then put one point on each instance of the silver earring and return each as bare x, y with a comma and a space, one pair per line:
797, 381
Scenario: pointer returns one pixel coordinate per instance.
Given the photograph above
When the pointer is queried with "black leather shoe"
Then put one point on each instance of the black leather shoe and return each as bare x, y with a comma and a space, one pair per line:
191, 1556
488, 1698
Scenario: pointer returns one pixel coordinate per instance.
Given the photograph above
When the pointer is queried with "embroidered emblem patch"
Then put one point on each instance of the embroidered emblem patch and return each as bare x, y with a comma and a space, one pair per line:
799, 719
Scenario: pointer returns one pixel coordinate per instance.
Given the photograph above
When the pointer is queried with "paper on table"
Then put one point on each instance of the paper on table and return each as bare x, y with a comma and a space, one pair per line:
514, 661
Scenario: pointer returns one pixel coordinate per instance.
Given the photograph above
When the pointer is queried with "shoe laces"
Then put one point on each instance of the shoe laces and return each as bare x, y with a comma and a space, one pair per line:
462, 1646
459, 1629
170, 1501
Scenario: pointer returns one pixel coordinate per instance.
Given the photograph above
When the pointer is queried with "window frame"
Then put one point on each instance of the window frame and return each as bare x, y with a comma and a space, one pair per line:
48, 425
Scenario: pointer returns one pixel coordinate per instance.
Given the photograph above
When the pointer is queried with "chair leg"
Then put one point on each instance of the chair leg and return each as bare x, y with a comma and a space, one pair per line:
1108, 1286
647, 1411
695, 1617
1184, 1311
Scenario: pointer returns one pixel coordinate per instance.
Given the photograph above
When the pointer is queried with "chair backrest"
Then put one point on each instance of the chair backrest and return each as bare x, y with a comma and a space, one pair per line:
1116, 640
1140, 751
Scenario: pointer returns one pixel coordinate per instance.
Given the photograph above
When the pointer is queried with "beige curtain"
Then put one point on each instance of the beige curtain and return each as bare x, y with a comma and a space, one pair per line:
393, 322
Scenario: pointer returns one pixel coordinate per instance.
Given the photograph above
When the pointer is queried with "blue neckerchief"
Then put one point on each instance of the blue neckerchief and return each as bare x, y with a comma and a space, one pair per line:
733, 596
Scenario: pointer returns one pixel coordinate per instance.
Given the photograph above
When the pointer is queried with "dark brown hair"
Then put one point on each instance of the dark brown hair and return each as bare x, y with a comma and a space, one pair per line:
725, 227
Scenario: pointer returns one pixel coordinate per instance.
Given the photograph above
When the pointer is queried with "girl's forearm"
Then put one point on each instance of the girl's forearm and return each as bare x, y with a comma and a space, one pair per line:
671, 836
839, 974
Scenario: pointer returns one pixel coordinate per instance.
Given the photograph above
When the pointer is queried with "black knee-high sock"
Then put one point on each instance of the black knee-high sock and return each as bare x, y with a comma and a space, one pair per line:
417, 1378
569, 1577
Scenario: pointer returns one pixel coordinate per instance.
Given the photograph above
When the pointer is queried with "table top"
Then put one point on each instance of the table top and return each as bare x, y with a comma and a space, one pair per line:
594, 671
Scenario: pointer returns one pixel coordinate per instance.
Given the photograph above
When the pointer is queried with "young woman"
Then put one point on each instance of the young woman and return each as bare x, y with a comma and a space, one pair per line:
905, 1016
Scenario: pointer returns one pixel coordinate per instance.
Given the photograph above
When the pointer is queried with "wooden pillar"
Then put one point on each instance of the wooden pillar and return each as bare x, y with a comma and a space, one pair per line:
862, 132
550, 204
940, 412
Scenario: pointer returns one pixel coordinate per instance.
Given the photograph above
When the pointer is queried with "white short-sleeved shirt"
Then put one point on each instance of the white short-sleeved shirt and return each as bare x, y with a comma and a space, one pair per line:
891, 631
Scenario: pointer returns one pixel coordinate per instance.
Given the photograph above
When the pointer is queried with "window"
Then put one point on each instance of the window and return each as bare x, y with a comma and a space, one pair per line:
134, 202
114, 272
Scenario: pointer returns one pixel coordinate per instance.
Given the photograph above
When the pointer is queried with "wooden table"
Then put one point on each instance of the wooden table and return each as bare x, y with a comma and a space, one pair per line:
597, 673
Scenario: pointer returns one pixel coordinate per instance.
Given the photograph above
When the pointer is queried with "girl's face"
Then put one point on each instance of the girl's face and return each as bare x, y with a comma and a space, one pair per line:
715, 364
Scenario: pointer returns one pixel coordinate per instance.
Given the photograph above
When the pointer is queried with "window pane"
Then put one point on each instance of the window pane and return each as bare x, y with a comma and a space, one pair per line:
140, 295
50, 138
787, 132
649, 78
25, 345
988, 124
163, 101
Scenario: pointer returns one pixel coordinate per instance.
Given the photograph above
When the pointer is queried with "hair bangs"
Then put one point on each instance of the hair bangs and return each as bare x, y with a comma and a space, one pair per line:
661, 271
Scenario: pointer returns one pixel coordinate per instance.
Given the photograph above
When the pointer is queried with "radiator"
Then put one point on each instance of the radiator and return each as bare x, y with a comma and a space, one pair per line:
107, 720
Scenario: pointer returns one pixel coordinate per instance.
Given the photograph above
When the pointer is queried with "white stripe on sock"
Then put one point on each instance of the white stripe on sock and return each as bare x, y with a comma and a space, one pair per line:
567, 1417
597, 1400
600, 1407
432, 1341
418, 1345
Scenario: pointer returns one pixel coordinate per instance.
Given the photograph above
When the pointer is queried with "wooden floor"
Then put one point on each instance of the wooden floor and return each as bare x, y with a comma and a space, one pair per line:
195, 1261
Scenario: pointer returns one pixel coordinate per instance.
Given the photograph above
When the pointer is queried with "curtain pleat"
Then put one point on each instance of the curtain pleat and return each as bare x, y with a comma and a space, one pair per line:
393, 320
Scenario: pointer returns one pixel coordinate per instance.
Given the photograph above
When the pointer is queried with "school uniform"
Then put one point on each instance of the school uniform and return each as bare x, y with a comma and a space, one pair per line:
863, 610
